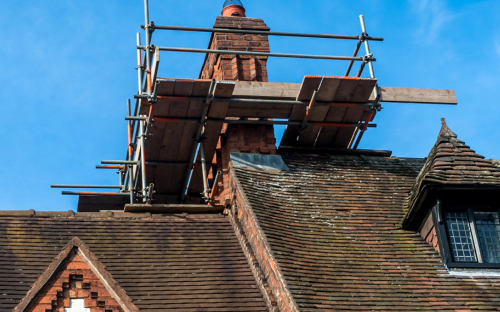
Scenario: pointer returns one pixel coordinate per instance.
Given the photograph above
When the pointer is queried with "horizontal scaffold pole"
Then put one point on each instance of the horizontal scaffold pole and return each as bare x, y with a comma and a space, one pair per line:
86, 186
255, 122
108, 167
263, 32
170, 163
94, 193
308, 56
119, 162
253, 101
150, 163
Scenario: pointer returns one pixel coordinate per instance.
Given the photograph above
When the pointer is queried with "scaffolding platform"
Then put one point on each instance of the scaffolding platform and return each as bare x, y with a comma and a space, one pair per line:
174, 128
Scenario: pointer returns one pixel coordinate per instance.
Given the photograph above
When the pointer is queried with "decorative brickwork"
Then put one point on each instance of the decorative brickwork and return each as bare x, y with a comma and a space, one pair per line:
74, 280
75, 273
232, 66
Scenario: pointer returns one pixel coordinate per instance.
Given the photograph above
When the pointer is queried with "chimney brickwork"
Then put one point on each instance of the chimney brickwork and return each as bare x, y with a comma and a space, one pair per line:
234, 67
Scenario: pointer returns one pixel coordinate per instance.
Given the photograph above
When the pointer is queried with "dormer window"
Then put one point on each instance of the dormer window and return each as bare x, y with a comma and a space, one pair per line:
462, 189
474, 236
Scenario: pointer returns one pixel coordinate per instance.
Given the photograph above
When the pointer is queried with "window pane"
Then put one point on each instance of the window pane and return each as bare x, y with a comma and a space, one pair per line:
460, 237
488, 231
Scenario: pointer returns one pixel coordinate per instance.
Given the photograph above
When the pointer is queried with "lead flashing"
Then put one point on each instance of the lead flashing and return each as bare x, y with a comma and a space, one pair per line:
259, 161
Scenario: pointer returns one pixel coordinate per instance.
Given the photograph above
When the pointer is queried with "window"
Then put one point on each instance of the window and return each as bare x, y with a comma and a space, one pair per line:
473, 235
461, 241
77, 305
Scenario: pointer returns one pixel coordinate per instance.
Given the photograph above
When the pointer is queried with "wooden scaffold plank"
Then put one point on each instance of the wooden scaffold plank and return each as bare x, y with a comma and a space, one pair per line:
309, 84
327, 91
195, 110
172, 135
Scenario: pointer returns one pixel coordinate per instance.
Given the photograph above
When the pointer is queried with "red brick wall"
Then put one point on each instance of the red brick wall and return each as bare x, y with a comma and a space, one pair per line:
428, 232
243, 217
74, 280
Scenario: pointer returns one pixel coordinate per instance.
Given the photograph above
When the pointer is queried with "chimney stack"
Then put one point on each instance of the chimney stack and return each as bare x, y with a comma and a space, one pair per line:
232, 66
258, 139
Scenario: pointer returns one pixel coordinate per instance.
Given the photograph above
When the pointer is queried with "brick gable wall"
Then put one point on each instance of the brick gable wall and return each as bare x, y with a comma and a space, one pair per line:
74, 280
264, 265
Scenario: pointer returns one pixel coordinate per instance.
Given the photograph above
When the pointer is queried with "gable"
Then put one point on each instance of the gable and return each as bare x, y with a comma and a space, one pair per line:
76, 282
163, 262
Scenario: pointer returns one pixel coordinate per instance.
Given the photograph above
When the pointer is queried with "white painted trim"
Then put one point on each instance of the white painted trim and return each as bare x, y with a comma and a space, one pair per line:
474, 273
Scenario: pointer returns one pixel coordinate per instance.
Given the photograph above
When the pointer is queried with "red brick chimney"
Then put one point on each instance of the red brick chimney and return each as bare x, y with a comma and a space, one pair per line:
238, 138
232, 66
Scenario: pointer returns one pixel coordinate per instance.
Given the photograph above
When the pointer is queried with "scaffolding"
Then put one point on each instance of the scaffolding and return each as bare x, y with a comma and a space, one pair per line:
133, 182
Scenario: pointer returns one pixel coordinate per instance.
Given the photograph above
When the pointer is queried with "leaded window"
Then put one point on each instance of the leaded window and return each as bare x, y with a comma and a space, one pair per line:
474, 236
461, 243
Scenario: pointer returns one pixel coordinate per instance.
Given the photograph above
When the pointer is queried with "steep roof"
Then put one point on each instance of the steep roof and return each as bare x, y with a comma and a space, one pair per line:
333, 227
176, 262
451, 162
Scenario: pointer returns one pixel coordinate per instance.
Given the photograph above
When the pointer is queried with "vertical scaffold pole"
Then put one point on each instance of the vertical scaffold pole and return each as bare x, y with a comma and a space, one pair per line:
372, 75
143, 160
148, 46
130, 154
368, 53
139, 64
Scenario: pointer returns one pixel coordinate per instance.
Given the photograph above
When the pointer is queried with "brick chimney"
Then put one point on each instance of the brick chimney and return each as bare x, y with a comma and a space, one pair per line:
232, 66
238, 138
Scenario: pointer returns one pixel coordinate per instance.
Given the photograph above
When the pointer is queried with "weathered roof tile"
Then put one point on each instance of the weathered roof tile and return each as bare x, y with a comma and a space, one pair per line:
333, 225
192, 263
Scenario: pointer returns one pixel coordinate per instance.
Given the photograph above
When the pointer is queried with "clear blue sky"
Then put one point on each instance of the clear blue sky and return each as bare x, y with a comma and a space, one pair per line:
67, 68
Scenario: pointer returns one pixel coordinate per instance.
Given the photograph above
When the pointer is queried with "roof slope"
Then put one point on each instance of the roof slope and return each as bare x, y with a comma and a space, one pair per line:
333, 224
192, 263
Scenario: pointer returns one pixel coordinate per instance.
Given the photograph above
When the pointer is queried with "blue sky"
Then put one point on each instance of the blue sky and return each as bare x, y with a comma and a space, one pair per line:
67, 68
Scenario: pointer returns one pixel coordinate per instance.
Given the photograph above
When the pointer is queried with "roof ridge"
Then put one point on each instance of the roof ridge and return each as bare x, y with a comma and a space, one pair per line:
96, 266
115, 215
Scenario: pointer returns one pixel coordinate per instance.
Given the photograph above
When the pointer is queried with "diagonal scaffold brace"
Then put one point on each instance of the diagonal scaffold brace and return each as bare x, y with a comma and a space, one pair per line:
196, 143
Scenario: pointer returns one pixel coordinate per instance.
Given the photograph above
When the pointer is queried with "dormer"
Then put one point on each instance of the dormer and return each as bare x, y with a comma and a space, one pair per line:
455, 204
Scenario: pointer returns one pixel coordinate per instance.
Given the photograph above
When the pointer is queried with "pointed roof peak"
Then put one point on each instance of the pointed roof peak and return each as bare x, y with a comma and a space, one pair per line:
77, 247
445, 131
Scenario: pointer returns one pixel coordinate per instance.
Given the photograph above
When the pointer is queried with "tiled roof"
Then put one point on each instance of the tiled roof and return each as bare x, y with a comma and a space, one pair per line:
451, 162
164, 263
333, 224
